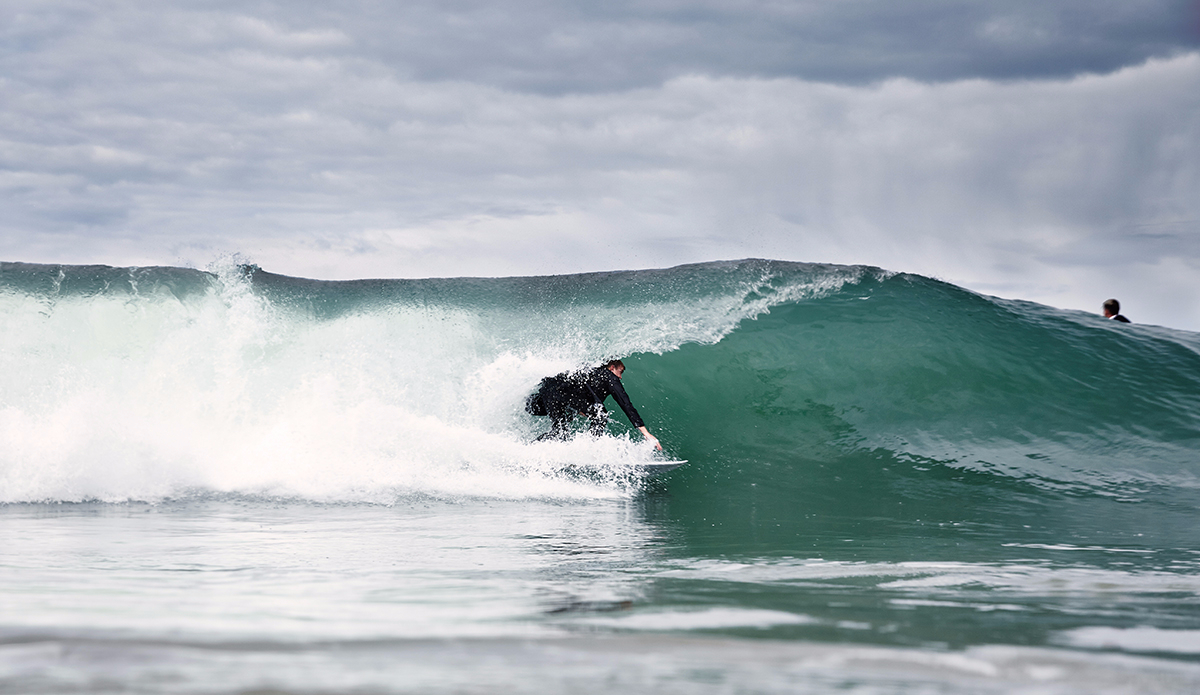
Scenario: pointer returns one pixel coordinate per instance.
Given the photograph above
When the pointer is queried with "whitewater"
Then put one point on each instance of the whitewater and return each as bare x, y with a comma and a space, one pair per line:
233, 481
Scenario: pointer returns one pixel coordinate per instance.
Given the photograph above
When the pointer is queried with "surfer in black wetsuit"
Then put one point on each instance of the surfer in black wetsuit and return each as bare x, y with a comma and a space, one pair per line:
566, 395
1112, 310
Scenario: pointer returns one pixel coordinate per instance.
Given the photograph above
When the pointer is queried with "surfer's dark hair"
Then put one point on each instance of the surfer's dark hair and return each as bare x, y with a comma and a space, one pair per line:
615, 364
1112, 306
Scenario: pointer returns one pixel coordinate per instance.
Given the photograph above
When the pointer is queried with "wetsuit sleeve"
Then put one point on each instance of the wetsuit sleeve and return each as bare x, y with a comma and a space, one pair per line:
617, 391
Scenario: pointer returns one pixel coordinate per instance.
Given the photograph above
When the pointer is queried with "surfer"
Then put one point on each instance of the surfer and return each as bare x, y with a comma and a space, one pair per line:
1112, 310
566, 395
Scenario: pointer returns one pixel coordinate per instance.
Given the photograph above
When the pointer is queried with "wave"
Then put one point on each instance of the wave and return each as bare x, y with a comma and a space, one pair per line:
152, 383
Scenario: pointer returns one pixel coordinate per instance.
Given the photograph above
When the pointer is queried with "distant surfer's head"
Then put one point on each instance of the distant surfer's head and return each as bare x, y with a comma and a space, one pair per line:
616, 367
1111, 307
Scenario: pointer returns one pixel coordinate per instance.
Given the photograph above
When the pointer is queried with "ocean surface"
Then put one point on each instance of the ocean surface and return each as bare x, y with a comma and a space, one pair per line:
233, 481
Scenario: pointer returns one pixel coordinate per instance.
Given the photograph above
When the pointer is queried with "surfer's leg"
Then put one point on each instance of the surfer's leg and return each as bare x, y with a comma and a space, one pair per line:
560, 417
560, 428
597, 420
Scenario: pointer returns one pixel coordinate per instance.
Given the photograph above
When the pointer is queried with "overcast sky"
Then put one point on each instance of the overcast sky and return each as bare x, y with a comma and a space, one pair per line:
1031, 149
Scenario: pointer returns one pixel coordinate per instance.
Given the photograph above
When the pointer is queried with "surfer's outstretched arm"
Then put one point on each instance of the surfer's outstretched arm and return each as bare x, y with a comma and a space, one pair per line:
610, 385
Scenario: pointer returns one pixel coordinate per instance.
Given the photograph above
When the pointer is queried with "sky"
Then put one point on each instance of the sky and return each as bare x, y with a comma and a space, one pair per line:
1032, 149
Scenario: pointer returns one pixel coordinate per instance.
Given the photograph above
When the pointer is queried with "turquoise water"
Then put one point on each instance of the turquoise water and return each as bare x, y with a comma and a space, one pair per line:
233, 481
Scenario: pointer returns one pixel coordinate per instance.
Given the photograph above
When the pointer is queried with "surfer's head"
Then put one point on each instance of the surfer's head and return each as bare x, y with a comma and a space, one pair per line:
616, 367
1111, 307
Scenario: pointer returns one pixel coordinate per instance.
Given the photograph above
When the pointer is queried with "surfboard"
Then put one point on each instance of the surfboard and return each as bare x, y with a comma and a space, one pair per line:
659, 466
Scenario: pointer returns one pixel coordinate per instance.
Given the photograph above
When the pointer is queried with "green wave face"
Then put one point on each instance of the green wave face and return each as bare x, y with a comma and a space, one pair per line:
930, 370
901, 401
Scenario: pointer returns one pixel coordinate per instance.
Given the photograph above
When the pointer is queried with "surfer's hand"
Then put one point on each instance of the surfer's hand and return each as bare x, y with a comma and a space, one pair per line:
646, 433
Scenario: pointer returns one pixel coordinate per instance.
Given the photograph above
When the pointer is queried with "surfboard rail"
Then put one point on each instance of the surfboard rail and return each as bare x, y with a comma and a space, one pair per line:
656, 467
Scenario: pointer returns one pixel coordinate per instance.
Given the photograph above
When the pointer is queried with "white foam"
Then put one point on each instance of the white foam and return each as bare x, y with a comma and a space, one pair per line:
946, 579
707, 619
1134, 639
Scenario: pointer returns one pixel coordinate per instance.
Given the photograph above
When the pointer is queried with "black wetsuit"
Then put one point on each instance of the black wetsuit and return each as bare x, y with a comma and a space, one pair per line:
1120, 318
566, 395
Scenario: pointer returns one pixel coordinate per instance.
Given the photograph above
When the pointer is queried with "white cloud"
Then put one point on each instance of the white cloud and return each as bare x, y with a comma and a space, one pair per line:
281, 38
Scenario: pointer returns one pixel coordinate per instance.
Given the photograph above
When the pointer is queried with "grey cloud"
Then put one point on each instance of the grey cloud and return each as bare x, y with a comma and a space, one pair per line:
561, 47
1146, 243
557, 47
